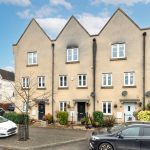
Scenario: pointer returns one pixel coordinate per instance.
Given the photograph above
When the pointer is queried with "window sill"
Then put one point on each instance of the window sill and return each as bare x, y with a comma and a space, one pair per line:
72, 62
25, 88
85, 87
41, 88
32, 65
63, 88
116, 59
107, 87
130, 86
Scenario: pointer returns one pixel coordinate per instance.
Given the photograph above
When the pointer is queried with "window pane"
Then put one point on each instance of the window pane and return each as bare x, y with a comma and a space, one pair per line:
121, 50
109, 108
114, 51
75, 54
104, 107
146, 131
69, 54
109, 79
134, 131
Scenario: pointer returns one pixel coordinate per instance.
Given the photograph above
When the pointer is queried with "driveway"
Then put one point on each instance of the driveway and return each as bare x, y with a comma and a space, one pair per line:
41, 138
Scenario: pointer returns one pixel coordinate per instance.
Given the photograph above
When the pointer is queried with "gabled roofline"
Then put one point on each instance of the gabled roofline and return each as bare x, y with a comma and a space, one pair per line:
119, 9
27, 29
72, 17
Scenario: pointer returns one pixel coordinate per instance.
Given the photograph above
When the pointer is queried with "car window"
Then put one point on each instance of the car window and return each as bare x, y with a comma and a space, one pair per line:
2, 119
146, 131
133, 131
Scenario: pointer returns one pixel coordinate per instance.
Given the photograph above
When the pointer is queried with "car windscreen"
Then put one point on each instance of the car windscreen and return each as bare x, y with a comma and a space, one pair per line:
2, 119
116, 128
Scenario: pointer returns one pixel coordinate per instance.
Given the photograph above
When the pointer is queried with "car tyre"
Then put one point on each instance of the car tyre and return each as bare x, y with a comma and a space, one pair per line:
105, 146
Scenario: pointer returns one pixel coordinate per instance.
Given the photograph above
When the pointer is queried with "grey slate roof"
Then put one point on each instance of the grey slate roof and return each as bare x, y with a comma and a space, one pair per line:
7, 75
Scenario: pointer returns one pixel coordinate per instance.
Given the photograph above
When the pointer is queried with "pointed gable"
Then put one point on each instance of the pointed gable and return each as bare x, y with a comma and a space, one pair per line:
119, 19
72, 28
33, 30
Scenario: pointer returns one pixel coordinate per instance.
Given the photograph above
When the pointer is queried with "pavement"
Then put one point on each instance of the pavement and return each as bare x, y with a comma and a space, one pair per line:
42, 138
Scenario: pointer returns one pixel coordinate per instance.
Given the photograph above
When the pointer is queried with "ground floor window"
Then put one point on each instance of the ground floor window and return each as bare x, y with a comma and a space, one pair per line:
63, 106
107, 110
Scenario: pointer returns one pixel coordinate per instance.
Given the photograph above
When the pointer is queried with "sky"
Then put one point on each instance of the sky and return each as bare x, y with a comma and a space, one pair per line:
52, 15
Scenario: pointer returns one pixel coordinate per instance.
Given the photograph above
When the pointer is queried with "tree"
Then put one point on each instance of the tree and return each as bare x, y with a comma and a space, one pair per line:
26, 93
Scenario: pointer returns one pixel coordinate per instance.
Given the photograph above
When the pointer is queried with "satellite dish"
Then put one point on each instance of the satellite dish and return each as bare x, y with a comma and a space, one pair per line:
124, 93
147, 94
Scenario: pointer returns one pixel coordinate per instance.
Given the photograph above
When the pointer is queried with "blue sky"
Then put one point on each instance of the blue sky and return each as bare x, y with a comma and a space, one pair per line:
52, 15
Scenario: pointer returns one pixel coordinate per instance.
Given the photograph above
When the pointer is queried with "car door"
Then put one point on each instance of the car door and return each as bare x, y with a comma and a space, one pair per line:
128, 139
145, 140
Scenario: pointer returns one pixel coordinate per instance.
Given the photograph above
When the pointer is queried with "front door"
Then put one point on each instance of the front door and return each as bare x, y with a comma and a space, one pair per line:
129, 108
41, 110
81, 110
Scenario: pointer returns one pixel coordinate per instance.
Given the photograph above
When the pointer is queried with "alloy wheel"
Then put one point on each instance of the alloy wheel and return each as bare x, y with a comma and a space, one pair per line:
105, 146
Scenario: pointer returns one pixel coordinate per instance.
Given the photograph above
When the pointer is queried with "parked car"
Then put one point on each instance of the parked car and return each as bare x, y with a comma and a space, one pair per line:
11, 107
7, 127
2, 111
125, 137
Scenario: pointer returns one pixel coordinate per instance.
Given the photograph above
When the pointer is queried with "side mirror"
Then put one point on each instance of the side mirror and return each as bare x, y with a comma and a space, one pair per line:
120, 135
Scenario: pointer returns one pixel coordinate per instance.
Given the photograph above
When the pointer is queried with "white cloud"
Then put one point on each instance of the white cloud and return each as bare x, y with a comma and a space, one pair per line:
91, 23
52, 26
64, 3
44, 11
9, 68
117, 2
16, 2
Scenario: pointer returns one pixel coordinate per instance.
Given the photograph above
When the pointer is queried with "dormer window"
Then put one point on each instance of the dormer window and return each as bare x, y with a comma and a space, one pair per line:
118, 50
72, 54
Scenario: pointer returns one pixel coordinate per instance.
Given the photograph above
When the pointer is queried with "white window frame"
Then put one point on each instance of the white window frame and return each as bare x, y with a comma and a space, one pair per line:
32, 56
64, 106
117, 47
107, 103
25, 82
106, 76
81, 83
63, 81
129, 75
41, 81
71, 53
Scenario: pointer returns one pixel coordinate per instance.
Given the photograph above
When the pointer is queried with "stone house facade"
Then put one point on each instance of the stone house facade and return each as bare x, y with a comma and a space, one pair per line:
82, 73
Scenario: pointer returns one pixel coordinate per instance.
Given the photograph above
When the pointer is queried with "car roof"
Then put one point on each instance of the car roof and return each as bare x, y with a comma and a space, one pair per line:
139, 124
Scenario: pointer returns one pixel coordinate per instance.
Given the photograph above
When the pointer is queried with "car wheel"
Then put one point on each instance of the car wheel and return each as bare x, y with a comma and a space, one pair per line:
105, 146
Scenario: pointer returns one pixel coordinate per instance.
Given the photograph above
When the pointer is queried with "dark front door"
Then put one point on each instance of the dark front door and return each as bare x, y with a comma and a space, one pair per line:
81, 110
41, 110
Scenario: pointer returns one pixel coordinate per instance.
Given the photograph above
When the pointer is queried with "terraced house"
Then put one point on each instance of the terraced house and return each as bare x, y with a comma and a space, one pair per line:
81, 73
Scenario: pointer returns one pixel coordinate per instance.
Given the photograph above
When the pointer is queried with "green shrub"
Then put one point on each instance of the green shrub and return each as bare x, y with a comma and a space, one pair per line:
83, 120
48, 117
62, 117
144, 115
16, 117
135, 114
148, 106
98, 117
109, 121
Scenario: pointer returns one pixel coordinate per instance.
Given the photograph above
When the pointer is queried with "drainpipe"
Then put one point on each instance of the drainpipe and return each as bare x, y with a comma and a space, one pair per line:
53, 46
144, 47
93, 94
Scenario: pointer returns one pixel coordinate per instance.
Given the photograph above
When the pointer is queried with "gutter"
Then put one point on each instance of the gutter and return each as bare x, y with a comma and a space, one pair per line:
144, 48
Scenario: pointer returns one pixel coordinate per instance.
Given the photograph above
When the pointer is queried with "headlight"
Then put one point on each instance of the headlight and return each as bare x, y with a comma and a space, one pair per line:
94, 138
2, 128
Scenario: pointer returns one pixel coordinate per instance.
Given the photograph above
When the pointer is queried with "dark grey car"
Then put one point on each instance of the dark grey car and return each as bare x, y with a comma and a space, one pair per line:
131, 137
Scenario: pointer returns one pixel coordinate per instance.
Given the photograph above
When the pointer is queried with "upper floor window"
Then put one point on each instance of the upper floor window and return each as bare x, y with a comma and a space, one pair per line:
25, 82
107, 79
62, 81
32, 58
41, 82
82, 80
107, 110
63, 106
129, 79
72, 54
118, 50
